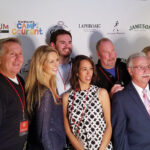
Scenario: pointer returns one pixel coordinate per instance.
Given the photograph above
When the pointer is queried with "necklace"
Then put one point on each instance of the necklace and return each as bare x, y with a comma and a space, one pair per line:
80, 119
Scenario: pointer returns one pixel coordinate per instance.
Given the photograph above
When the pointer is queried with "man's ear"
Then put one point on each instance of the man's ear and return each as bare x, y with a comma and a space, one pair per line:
98, 54
130, 71
52, 44
77, 74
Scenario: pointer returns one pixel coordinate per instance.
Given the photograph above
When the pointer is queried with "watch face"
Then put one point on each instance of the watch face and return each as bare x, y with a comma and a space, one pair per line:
119, 82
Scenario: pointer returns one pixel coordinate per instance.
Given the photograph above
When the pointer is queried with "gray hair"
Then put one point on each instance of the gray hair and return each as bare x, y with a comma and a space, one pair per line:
133, 56
5, 40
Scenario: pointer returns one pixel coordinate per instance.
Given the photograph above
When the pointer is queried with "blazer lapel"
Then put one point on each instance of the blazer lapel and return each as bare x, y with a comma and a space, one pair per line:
136, 98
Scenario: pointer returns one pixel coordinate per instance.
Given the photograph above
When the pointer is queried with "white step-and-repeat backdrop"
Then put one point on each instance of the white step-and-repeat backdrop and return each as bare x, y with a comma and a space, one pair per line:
125, 22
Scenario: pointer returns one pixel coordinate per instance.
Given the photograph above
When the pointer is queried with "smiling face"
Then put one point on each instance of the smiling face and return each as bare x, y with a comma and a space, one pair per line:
107, 54
51, 64
85, 73
11, 59
63, 45
140, 71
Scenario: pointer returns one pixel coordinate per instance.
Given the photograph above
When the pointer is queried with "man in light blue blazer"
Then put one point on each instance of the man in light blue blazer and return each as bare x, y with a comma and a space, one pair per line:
130, 116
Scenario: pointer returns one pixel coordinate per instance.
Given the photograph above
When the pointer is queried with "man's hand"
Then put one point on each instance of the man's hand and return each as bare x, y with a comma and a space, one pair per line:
115, 88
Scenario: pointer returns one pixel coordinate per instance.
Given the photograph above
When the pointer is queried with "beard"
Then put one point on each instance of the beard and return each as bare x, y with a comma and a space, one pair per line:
66, 54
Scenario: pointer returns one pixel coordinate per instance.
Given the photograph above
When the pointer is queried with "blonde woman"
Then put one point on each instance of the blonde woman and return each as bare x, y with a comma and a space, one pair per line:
46, 130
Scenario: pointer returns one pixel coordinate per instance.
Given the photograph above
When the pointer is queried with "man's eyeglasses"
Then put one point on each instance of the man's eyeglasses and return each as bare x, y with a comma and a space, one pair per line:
141, 67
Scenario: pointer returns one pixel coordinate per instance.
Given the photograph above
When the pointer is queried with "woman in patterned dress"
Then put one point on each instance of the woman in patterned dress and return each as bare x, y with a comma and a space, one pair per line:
86, 109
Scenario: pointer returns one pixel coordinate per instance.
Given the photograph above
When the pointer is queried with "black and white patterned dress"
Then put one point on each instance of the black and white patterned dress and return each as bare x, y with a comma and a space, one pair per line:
86, 118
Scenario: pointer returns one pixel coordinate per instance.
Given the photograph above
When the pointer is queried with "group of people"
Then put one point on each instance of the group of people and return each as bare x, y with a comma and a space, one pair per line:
70, 103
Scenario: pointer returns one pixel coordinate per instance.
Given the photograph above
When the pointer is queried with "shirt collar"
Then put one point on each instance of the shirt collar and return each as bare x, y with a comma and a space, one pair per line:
68, 62
140, 90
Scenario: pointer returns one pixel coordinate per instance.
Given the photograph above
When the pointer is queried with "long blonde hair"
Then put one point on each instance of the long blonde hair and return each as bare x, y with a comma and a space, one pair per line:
36, 82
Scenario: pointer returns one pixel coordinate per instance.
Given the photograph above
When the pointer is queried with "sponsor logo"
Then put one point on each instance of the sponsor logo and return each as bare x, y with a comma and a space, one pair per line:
63, 25
27, 28
53, 28
139, 27
90, 27
59, 25
116, 28
4, 28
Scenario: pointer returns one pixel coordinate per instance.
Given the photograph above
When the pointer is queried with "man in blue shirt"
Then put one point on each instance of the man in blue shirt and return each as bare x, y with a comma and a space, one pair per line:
61, 40
112, 72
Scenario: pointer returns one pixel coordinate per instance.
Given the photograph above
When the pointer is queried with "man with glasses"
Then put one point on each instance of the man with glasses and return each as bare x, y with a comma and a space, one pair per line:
131, 108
